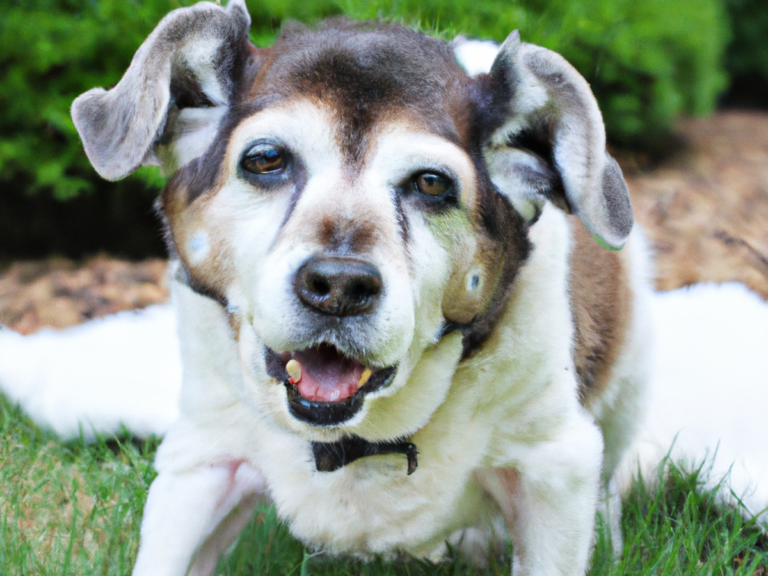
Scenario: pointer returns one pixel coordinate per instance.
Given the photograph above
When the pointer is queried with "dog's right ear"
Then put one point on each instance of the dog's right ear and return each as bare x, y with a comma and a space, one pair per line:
179, 84
550, 146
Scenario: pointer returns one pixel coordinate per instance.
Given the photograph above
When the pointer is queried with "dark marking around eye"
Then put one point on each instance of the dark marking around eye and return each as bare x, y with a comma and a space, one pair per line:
402, 220
299, 178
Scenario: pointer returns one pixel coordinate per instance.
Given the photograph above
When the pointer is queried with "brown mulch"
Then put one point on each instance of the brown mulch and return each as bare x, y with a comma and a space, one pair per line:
705, 211
60, 293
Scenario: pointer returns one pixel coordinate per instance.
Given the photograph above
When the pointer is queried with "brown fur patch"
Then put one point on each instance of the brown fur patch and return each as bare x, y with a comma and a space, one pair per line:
505, 248
368, 70
341, 236
372, 72
181, 222
601, 303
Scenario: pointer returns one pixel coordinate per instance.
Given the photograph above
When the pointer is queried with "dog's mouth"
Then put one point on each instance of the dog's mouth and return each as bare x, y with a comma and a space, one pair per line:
325, 386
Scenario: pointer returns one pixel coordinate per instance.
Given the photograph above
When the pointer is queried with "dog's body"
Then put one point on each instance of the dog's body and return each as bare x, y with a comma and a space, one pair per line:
372, 275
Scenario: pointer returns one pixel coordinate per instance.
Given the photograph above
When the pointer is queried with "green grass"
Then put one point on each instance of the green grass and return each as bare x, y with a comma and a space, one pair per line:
72, 508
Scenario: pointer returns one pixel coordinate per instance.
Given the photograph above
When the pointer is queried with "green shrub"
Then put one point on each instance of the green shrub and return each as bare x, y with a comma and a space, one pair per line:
747, 57
50, 51
647, 60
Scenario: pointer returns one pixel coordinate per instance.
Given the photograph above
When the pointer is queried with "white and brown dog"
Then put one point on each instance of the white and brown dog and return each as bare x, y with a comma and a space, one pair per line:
390, 326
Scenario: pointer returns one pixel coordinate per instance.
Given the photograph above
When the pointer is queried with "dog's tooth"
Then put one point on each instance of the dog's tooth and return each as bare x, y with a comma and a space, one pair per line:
294, 371
364, 378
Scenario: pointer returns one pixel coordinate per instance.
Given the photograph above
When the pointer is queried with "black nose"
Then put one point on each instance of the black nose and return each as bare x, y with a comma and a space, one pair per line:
338, 286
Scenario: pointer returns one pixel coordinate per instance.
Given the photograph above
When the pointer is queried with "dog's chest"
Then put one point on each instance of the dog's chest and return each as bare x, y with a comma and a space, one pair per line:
372, 505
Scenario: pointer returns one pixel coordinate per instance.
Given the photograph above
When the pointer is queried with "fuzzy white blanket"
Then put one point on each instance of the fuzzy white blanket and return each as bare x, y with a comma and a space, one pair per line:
708, 397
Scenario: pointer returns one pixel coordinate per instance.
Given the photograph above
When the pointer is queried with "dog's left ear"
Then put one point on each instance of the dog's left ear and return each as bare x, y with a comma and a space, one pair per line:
551, 144
167, 106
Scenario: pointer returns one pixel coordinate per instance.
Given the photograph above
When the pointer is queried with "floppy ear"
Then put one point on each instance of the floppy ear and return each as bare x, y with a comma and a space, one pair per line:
178, 86
551, 145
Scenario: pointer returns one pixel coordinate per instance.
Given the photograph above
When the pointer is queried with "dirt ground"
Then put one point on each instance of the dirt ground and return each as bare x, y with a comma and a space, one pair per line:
705, 209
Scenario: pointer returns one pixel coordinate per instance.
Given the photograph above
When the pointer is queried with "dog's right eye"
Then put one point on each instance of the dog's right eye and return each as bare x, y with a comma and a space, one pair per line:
264, 159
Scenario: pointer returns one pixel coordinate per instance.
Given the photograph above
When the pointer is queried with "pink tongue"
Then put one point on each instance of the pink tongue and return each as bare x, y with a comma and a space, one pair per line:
326, 375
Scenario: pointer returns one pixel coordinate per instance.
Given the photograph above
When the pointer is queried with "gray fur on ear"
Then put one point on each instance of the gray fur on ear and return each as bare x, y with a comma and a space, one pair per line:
193, 49
552, 144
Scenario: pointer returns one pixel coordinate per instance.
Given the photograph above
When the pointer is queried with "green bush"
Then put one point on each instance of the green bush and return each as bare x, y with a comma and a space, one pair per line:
647, 60
747, 57
50, 51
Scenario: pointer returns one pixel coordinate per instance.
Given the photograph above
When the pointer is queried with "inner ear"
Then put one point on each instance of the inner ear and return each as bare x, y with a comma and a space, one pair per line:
522, 171
534, 139
540, 173
186, 91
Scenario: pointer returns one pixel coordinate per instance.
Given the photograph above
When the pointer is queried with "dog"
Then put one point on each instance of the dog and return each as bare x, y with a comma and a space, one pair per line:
399, 321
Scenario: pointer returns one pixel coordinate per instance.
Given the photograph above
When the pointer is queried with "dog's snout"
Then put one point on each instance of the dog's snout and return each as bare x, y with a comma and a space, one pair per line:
338, 286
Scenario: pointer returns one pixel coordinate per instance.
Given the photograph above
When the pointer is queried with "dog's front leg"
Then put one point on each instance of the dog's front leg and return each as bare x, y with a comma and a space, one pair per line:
191, 518
549, 500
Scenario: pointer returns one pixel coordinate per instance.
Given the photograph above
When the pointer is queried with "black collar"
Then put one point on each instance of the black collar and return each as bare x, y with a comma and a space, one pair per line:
330, 456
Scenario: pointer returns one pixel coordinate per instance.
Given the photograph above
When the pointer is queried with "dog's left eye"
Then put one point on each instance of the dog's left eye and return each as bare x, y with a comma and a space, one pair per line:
432, 184
263, 159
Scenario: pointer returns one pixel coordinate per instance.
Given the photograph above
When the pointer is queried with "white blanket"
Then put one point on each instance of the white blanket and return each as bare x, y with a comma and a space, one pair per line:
708, 397
120, 370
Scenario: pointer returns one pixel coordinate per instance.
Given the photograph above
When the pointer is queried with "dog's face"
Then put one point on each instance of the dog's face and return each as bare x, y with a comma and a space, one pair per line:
351, 197
346, 216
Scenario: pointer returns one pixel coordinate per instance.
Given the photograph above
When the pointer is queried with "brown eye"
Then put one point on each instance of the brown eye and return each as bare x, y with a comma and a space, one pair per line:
432, 184
263, 159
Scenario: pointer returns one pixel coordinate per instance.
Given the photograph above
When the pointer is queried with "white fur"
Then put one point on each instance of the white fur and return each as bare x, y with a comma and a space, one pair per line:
475, 56
193, 129
177, 535
267, 254
709, 335
308, 130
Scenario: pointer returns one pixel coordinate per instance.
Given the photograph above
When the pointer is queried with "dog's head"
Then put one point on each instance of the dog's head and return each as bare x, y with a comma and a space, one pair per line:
354, 200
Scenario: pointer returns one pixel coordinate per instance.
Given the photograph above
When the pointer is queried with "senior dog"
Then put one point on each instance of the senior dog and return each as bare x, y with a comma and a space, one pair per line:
390, 326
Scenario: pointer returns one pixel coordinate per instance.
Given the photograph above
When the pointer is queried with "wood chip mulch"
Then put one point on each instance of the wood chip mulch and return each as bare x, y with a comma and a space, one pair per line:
60, 293
705, 211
